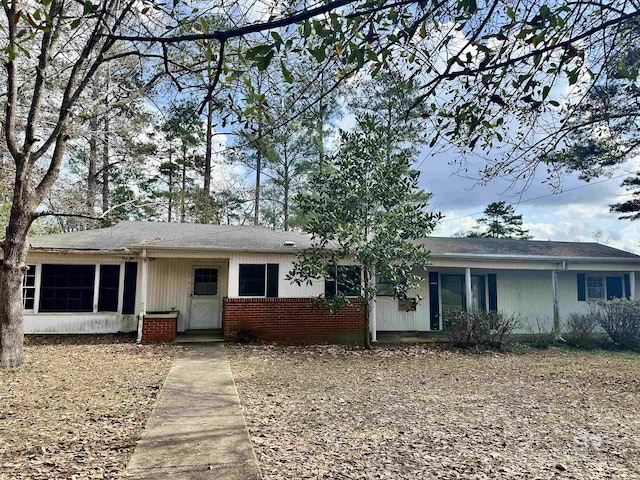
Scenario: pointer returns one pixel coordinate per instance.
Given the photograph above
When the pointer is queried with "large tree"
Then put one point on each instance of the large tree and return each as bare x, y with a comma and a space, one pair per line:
500, 221
364, 208
472, 59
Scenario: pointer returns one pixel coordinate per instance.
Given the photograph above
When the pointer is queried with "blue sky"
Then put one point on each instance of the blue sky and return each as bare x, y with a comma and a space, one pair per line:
579, 212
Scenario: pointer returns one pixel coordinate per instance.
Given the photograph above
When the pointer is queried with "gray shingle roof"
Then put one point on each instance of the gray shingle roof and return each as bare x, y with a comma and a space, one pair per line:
136, 235
533, 248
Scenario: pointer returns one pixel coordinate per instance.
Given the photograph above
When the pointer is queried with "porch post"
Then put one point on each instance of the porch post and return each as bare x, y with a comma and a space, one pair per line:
467, 288
372, 283
632, 285
143, 296
556, 310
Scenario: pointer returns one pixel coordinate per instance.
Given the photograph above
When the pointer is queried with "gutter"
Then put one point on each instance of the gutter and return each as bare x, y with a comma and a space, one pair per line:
535, 258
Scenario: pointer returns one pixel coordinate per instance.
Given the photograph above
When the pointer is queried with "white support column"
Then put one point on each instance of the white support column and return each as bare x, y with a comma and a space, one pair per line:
632, 285
96, 289
36, 297
121, 287
374, 322
467, 288
143, 293
556, 309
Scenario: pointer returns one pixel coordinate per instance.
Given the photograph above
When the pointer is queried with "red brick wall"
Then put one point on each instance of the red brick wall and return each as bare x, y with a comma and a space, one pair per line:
292, 320
159, 329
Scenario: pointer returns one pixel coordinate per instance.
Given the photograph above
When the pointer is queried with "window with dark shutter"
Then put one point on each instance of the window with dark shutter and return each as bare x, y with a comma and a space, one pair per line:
252, 280
129, 293
67, 288
492, 281
258, 280
582, 287
346, 280
108, 288
272, 280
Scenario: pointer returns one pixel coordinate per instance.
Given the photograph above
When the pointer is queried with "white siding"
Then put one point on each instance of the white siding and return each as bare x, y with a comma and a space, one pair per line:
78, 323
529, 294
170, 284
391, 319
286, 289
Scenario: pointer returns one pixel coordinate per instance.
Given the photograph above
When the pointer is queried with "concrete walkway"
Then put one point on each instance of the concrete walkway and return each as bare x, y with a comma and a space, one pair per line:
197, 430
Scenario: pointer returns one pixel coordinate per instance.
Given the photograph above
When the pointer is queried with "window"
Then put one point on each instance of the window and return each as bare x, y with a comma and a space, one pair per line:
205, 281
258, 280
595, 288
384, 288
67, 288
346, 281
29, 288
108, 289
453, 294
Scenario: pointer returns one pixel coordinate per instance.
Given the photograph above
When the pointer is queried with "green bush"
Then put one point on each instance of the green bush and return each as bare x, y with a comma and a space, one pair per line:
620, 318
466, 329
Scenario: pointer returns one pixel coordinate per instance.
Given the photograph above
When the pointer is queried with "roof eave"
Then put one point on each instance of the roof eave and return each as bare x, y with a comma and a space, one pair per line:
535, 258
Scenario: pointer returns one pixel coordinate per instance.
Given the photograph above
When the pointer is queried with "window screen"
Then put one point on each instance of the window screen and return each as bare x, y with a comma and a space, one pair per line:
252, 280
452, 292
205, 281
67, 288
346, 281
259, 280
595, 288
108, 289
29, 288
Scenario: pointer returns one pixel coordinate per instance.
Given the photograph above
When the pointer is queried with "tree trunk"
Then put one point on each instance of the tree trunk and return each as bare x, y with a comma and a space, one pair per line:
256, 210
16, 246
105, 166
170, 184
366, 304
209, 148
93, 160
184, 184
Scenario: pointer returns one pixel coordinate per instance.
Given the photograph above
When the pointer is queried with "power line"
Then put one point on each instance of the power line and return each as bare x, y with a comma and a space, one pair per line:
543, 196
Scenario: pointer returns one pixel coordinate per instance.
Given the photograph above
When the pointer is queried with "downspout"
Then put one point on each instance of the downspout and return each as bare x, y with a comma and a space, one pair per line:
143, 300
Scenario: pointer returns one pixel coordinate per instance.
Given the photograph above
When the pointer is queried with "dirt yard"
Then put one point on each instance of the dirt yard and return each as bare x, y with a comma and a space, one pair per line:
77, 406
421, 413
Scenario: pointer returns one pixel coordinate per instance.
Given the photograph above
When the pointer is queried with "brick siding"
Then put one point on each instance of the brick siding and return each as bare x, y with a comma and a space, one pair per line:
292, 320
159, 329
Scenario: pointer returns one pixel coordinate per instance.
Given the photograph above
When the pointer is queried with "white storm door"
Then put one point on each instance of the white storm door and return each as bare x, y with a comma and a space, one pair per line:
204, 310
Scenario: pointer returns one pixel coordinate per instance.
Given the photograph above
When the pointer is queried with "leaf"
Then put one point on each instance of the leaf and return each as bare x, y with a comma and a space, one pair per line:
286, 73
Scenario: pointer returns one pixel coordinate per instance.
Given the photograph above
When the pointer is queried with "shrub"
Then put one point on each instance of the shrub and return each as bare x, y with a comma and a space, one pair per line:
466, 329
462, 328
245, 335
540, 335
580, 329
620, 318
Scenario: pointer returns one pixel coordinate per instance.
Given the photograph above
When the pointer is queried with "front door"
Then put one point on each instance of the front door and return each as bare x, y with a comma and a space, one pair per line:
204, 310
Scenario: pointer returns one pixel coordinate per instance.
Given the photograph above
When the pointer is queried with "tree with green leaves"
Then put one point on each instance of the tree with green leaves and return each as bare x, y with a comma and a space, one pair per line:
500, 221
364, 206
184, 133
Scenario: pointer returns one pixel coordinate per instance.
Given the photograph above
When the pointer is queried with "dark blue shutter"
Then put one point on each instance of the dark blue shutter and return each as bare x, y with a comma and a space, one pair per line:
582, 287
434, 302
492, 280
272, 280
627, 286
129, 291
